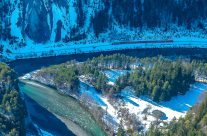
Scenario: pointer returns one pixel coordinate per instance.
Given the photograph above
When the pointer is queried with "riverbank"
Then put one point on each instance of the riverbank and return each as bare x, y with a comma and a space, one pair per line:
109, 111
178, 105
42, 122
131, 109
71, 113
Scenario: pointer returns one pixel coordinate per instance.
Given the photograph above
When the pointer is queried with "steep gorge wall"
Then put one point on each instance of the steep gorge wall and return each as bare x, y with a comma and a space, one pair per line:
73, 20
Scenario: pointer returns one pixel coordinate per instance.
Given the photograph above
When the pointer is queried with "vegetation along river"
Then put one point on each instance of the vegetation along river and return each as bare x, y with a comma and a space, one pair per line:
49, 109
52, 111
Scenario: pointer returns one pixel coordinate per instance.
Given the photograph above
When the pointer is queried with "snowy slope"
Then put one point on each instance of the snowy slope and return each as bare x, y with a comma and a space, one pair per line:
41, 28
54, 49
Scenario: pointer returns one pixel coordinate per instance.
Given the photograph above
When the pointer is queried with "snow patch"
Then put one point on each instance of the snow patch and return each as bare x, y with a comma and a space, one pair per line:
177, 107
15, 30
41, 131
114, 74
91, 91
183, 103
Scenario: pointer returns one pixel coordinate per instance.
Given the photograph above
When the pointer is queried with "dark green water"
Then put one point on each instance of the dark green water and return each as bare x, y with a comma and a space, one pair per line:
64, 107
27, 65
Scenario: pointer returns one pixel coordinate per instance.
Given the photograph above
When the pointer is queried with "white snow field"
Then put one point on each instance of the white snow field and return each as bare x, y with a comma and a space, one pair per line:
91, 92
175, 108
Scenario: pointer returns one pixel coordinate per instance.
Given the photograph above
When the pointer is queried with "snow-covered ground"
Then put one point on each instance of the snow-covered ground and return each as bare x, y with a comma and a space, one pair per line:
111, 116
28, 75
15, 30
33, 50
142, 106
113, 75
183, 103
91, 91
177, 107
181, 36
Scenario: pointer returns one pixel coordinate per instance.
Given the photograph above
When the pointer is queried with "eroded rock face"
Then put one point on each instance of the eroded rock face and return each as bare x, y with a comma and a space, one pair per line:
58, 32
38, 19
52, 20
69, 20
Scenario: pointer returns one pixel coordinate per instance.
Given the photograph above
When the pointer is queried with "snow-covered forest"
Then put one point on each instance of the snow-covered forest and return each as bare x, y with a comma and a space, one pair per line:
44, 26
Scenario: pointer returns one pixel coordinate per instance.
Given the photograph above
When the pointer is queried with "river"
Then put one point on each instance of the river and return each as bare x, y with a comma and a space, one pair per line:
27, 65
49, 109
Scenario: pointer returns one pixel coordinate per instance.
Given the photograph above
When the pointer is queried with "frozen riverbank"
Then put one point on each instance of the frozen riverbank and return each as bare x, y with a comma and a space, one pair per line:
145, 110
64, 108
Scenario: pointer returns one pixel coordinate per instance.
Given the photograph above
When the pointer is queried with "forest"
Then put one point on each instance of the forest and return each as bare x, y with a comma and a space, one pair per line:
158, 78
12, 108
194, 124
66, 76
167, 15
149, 14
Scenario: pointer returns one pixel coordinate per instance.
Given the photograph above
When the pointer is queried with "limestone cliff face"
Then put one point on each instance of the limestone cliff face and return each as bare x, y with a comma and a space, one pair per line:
73, 20
38, 18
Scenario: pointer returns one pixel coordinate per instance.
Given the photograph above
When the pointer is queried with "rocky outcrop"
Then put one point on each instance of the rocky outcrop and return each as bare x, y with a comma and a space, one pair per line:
38, 18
